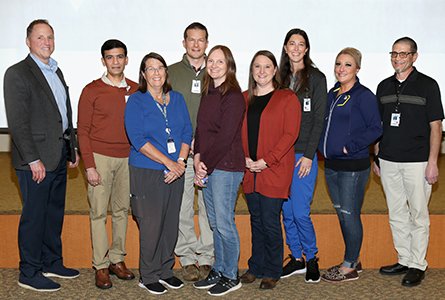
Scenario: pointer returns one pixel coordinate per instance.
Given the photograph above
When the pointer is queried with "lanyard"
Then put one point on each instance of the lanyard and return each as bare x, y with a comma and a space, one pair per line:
163, 110
400, 86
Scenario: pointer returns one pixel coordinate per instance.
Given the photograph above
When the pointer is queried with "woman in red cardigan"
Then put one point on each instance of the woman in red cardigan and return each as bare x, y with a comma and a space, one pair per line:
269, 131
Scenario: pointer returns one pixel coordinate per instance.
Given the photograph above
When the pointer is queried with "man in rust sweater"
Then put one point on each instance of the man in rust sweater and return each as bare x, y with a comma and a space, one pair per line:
105, 149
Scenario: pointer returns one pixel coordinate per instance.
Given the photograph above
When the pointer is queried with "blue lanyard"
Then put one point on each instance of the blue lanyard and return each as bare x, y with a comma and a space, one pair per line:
163, 110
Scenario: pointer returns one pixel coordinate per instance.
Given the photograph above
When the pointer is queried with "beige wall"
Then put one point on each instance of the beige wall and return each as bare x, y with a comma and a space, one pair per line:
4, 143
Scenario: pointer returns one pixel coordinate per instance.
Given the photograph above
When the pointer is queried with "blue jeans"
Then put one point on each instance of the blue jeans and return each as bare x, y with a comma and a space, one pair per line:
300, 233
220, 198
347, 190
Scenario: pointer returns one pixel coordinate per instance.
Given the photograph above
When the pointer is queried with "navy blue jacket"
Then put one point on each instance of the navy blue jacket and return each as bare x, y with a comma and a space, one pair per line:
352, 121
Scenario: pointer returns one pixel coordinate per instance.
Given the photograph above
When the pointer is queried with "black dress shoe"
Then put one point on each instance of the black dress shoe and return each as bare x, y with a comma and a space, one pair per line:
413, 277
395, 269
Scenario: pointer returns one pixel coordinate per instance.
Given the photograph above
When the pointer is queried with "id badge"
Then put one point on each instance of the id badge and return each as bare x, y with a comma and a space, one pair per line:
307, 104
171, 146
196, 86
395, 119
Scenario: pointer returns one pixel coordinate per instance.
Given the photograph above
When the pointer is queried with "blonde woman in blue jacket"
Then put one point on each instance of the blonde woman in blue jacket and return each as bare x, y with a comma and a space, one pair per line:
352, 124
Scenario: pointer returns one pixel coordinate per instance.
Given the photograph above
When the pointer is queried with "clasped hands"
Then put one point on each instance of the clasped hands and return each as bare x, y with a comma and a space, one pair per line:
255, 166
200, 173
176, 170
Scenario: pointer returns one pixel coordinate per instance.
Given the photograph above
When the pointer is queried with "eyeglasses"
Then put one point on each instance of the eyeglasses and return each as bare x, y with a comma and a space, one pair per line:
152, 70
400, 54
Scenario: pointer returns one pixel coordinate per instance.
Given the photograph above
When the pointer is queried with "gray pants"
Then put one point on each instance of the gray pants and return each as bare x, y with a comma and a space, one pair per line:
192, 249
155, 205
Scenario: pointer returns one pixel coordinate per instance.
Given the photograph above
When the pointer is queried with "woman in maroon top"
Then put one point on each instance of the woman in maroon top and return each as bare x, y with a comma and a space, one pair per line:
269, 131
219, 159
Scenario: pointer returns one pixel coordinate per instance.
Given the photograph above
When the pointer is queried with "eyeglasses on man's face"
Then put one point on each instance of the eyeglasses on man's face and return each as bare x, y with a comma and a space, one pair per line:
400, 54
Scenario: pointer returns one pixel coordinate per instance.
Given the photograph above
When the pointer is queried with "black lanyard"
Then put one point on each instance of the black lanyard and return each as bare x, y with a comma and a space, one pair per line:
400, 86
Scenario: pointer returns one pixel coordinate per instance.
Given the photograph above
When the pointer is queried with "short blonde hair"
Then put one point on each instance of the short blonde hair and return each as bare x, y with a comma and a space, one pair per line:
355, 53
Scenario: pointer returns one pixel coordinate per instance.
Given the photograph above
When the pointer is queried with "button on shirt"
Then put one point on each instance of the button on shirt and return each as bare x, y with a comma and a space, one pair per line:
56, 85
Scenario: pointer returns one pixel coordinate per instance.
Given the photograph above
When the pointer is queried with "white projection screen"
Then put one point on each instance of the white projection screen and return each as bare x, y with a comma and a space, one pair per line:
245, 26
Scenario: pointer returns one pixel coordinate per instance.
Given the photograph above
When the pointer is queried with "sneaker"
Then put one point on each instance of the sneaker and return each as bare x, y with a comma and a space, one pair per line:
336, 276
225, 286
190, 273
61, 272
312, 271
38, 283
172, 282
155, 288
293, 267
209, 282
358, 268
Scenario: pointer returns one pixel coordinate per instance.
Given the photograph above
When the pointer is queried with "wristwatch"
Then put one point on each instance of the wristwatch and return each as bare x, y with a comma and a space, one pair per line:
184, 160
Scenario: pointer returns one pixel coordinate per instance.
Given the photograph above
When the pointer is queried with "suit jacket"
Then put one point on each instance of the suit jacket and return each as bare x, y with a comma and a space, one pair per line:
34, 119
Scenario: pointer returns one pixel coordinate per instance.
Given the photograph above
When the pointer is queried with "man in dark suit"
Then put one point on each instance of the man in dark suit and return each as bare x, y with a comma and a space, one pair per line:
39, 119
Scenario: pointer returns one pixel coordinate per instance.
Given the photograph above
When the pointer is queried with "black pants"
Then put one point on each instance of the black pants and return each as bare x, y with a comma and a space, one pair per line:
267, 237
155, 205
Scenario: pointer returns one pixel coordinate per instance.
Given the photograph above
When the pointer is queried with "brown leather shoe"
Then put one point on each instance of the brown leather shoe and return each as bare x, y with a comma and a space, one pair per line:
121, 271
103, 280
268, 283
204, 271
190, 273
247, 277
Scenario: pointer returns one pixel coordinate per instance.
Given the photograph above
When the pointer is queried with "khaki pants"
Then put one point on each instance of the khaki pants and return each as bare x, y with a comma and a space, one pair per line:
407, 195
189, 248
114, 190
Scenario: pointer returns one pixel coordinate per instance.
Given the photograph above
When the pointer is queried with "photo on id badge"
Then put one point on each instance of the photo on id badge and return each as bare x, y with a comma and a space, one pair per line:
395, 119
307, 104
196, 86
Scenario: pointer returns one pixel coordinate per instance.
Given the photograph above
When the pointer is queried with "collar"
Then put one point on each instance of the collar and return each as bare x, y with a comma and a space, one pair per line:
356, 84
52, 64
186, 61
411, 77
106, 80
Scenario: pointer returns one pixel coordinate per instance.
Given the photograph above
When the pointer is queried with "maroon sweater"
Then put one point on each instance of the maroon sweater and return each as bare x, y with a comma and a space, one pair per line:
218, 131
100, 124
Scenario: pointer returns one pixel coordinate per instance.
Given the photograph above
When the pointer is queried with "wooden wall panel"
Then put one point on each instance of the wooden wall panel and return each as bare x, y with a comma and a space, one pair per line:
377, 248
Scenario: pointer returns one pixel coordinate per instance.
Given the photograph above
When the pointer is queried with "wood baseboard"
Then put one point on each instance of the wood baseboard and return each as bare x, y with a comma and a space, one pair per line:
377, 248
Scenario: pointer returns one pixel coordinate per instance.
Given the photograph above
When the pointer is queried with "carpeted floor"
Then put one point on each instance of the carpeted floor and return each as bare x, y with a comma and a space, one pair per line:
371, 285
77, 203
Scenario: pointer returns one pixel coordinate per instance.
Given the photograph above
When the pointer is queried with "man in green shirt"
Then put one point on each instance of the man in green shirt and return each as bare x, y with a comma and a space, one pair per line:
186, 76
